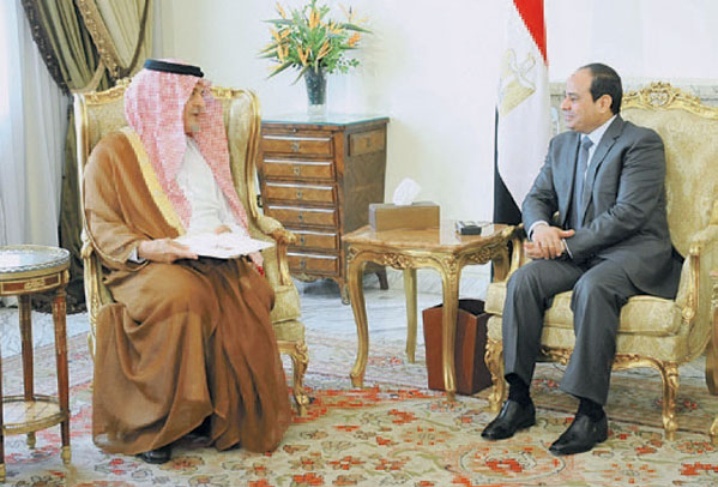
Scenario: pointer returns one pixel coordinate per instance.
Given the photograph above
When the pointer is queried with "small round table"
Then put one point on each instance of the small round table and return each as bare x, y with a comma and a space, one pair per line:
26, 270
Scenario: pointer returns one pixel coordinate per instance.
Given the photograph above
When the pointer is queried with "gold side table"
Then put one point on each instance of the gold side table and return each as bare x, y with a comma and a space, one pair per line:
26, 270
439, 248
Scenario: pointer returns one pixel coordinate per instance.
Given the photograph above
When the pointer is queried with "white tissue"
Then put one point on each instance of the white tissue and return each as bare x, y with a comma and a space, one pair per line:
405, 193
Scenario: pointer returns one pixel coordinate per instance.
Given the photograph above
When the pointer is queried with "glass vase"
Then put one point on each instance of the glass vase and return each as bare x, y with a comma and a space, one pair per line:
316, 82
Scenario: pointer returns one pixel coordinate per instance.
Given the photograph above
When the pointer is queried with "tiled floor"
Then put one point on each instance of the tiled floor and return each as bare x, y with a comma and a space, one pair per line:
323, 311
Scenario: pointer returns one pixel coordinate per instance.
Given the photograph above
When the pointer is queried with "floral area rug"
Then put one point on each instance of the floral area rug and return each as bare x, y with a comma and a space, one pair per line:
636, 395
394, 432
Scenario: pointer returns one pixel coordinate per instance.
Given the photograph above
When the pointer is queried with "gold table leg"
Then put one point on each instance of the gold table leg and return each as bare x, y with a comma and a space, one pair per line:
411, 313
355, 272
450, 282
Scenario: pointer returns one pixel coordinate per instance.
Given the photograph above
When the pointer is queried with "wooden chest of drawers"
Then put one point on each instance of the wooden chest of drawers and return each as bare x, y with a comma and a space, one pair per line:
318, 178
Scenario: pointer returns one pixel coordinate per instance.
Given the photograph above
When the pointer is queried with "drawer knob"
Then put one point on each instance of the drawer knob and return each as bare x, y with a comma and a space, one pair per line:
300, 217
301, 240
299, 194
295, 146
297, 170
303, 264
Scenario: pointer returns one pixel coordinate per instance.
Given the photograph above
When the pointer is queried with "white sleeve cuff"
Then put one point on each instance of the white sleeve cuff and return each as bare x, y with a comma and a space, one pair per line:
531, 229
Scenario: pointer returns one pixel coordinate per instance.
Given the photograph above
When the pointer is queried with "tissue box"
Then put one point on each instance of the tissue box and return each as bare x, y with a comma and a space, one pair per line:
387, 216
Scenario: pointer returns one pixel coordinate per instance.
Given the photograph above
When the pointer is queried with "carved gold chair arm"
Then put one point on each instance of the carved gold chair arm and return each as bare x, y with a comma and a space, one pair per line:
283, 238
704, 245
269, 226
694, 291
704, 252
518, 257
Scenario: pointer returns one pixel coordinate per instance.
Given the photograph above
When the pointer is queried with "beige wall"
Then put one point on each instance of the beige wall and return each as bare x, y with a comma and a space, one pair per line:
432, 67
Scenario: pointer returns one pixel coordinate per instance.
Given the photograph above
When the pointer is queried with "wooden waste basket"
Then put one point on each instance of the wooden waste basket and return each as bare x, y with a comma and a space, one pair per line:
472, 375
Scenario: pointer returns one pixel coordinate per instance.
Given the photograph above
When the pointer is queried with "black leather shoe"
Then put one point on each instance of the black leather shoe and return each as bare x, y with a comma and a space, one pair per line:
158, 456
512, 418
581, 436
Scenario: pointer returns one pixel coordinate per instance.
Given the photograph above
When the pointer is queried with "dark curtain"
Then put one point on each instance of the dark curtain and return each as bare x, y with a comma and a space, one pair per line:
67, 34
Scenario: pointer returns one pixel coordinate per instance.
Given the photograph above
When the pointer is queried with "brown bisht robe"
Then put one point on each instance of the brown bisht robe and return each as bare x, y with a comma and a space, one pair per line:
184, 341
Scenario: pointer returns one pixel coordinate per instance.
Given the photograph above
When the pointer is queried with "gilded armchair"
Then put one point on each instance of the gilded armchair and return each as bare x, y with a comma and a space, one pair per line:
99, 113
653, 332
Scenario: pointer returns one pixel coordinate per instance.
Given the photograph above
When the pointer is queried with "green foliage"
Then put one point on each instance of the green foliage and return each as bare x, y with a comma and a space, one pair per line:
305, 39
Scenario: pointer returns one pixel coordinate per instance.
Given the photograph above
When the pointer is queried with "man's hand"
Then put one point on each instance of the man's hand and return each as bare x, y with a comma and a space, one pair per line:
547, 242
164, 250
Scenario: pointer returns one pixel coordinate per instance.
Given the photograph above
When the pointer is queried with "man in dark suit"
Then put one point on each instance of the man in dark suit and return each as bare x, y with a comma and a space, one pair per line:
605, 178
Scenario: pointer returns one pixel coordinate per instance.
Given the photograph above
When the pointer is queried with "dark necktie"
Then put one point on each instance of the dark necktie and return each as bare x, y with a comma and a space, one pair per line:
581, 165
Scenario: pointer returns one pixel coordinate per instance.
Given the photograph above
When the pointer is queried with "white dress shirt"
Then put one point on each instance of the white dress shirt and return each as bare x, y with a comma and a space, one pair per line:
209, 207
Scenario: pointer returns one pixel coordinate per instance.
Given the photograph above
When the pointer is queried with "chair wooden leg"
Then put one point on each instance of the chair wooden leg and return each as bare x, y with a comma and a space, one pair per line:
712, 357
713, 432
669, 374
299, 354
495, 362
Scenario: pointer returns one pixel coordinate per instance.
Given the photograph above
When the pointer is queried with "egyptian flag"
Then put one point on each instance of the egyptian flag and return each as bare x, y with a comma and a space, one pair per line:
523, 119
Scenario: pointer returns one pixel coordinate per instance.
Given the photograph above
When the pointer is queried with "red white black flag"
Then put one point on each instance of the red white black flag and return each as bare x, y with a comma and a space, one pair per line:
523, 119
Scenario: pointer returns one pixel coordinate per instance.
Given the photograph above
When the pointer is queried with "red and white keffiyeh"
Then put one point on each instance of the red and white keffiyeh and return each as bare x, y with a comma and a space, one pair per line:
154, 106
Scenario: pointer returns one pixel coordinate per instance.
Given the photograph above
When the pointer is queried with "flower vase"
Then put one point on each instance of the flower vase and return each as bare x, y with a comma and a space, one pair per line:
316, 92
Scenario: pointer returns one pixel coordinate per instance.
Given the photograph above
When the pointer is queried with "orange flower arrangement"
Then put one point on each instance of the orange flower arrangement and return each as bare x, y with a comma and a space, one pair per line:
305, 39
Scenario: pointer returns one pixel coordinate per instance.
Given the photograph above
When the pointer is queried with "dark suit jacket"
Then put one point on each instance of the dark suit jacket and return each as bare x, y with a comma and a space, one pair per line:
625, 216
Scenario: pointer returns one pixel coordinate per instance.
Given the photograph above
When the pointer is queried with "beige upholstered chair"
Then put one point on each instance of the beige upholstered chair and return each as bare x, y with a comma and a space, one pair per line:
653, 332
99, 113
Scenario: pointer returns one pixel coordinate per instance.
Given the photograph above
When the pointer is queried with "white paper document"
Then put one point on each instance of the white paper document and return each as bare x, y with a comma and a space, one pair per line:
223, 246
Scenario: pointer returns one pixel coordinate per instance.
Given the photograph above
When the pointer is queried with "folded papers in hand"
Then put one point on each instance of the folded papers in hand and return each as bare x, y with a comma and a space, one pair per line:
222, 246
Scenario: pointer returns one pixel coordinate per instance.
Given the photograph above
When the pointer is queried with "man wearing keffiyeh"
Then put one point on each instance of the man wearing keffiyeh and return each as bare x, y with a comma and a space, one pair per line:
188, 342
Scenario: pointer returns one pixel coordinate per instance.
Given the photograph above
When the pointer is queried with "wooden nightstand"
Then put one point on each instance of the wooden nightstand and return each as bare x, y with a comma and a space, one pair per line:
318, 178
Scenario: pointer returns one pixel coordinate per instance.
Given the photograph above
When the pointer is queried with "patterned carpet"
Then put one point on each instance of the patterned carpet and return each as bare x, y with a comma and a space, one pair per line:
393, 433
